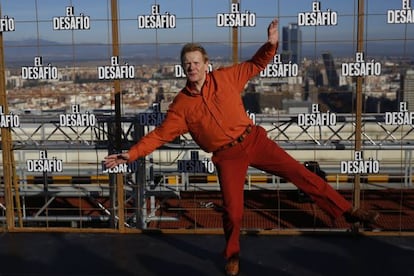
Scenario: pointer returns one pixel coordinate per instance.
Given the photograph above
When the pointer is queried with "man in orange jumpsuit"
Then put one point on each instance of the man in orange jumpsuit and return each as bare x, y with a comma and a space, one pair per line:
210, 108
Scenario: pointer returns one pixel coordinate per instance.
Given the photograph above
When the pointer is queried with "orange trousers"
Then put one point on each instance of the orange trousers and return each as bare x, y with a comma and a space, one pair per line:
260, 152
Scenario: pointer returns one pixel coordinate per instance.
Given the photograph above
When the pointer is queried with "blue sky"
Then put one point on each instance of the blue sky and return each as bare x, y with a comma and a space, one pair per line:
24, 11
196, 20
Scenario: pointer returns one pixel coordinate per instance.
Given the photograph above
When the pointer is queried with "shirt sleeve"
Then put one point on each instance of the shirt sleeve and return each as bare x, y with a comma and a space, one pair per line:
173, 125
264, 55
252, 67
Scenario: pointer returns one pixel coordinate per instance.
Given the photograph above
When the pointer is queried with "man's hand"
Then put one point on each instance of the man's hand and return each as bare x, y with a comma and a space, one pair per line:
273, 32
114, 160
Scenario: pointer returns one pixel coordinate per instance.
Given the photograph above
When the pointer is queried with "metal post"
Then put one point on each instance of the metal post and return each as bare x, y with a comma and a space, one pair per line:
9, 174
6, 145
408, 165
359, 98
118, 130
235, 41
140, 180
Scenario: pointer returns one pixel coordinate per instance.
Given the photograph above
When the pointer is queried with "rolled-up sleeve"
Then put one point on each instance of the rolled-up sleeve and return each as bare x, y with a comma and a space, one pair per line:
173, 125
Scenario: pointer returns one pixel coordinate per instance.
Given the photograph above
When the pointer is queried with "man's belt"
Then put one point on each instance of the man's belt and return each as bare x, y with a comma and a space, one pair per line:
237, 140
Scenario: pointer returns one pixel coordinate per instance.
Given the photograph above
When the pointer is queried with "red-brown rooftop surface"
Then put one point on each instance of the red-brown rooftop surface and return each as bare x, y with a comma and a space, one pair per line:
282, 210
264, 210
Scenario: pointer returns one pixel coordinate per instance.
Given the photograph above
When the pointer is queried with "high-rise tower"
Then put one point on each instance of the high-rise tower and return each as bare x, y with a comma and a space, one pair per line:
408, 94
291, 43
332, 75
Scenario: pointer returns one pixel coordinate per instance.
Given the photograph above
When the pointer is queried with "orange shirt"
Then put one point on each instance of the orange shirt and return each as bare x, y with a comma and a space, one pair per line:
214, 117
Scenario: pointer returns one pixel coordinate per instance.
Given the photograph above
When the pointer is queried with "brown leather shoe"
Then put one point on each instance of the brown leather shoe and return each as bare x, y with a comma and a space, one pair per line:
232, 266
361, 215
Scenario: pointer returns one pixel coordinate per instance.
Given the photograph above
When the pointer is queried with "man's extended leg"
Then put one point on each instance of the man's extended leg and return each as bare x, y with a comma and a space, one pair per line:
268, 156
232, 166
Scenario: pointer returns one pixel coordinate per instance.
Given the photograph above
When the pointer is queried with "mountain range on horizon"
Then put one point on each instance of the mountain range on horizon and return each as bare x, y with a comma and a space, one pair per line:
22, 52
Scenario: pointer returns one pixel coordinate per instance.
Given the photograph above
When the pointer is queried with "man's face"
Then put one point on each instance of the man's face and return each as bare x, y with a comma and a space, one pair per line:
195, 67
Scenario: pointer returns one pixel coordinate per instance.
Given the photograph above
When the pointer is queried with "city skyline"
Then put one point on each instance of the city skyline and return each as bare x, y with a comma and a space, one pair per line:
154, 51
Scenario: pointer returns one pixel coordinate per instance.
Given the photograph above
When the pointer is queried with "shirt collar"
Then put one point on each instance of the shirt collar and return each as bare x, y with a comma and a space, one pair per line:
191, 91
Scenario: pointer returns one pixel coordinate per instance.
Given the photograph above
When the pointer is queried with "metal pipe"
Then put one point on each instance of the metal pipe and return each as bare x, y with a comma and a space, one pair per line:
119, 204
358, 119
62, 218
235, 41
9, 173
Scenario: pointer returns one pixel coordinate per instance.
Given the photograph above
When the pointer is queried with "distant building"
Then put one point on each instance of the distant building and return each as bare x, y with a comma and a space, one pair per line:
408, 94
259, 102
14, 81
291, 43
331, 73
292, 106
